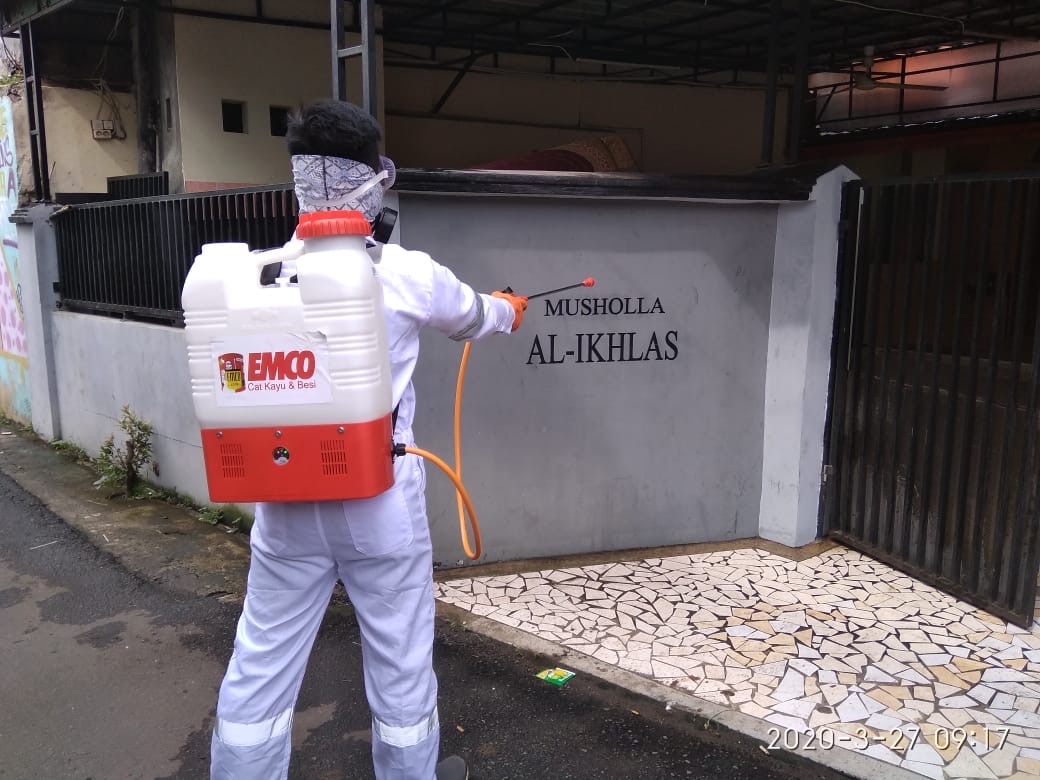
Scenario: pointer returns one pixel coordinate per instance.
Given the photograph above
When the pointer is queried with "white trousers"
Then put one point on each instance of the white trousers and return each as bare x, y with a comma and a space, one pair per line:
380, 549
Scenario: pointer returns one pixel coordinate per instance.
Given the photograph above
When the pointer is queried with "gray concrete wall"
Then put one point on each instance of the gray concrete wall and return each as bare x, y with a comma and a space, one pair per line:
642, 412
103, 363
570, 456
38, 263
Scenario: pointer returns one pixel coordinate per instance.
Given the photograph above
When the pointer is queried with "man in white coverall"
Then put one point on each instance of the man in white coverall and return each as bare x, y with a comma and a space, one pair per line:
379, 547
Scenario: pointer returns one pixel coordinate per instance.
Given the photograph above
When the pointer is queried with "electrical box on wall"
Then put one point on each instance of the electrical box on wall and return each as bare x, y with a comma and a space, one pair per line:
104, 129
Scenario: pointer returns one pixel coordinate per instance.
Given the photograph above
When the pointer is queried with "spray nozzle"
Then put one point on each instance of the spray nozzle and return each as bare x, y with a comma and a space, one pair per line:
585, 283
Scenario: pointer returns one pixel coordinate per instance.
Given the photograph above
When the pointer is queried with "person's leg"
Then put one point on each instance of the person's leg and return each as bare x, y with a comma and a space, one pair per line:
386, 564
291, 576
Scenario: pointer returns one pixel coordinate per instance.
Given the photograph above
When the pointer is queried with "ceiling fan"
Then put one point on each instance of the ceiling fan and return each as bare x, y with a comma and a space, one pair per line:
865, 80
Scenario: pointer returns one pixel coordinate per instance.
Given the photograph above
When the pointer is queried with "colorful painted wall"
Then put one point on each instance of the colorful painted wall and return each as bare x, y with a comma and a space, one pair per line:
14, 355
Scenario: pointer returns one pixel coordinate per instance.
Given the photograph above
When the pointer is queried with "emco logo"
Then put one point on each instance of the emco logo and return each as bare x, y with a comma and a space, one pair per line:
298, 364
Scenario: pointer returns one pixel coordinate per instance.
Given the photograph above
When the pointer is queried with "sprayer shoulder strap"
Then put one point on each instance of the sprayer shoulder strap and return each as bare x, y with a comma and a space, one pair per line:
396, 410
269, 273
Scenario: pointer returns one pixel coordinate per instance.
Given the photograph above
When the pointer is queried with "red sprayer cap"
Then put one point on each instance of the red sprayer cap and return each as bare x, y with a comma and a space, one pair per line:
320, 224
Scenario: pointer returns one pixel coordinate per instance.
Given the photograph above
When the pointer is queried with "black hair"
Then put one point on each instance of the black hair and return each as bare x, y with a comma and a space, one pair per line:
335, 128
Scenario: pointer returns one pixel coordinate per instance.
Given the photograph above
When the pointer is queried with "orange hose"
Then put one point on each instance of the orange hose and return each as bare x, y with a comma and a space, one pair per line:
457, 426
460, 490
462, 500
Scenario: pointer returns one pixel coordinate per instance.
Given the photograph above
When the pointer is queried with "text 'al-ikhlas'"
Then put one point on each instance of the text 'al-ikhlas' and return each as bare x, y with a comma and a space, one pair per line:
603, 347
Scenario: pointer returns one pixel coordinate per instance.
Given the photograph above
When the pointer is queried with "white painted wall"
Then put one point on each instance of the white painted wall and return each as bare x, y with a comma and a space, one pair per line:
678, 130
103, 363
258, 64
489, 116
77, 162
801, 326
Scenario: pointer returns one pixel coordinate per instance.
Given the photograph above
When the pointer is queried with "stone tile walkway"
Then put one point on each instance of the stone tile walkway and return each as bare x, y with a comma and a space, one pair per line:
839, 647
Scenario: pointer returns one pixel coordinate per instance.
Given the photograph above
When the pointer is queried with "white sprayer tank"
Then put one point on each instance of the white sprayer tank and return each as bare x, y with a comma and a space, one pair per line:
291, 381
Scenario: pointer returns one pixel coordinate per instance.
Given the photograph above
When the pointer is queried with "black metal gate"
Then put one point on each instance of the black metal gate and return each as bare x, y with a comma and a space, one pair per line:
932, 436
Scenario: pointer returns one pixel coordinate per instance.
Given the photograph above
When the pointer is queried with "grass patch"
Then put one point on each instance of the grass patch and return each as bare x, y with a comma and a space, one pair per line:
14, 425
227, 514
71, 451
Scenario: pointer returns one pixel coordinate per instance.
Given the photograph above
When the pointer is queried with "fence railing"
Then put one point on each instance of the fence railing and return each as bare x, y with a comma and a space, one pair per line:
139, 185
130, 257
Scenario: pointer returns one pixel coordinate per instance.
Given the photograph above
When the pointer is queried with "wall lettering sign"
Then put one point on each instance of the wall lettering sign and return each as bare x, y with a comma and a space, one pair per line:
617, 346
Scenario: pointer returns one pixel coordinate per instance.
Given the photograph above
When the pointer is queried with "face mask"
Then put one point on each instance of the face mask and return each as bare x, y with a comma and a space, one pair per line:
338, 184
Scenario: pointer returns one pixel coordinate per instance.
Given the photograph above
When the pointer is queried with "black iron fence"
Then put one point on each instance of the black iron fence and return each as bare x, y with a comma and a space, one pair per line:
934, 415
139, 185
130, 257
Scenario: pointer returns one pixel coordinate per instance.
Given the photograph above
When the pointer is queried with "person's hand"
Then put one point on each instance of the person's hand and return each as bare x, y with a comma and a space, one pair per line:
518, 302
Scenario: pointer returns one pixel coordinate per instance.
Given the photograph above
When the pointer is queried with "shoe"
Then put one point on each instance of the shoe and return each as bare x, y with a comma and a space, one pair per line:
452, 768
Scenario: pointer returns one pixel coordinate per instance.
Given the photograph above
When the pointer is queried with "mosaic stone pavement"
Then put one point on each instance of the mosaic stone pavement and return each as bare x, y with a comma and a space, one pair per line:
840, 647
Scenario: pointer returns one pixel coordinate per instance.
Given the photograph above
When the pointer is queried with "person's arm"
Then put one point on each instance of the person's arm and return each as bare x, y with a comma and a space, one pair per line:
464, 315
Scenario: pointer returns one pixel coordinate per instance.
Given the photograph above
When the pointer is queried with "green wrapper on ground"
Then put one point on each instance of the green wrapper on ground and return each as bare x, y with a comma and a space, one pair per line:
558, 677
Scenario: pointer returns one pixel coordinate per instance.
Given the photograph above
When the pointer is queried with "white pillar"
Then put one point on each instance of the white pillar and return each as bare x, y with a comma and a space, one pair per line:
38, 264
801, 329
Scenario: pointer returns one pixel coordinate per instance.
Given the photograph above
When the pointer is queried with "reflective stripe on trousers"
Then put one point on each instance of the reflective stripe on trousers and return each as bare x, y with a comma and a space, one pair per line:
380, 549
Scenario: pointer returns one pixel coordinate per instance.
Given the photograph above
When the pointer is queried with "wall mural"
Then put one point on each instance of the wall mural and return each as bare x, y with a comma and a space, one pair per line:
14, 353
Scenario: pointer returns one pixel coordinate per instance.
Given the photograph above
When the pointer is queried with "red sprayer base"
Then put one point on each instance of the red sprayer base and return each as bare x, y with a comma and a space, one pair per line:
299, 463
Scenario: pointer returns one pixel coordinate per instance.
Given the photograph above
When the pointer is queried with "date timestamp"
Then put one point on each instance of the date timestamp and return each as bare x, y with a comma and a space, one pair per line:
899, 740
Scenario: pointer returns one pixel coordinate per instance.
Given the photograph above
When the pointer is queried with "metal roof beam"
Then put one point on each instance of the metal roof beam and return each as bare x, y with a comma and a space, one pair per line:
17, 13
516, 18
945, 28
718, 42
882, 35
509, 43
571, 24
754, 6
440, 8
986, 16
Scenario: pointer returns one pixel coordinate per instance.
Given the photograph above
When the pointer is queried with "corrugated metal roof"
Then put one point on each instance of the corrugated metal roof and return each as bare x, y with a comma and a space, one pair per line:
703, 34
701, 37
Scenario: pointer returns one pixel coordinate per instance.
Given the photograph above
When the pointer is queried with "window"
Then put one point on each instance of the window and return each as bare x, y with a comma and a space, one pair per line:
279, 120
234, 116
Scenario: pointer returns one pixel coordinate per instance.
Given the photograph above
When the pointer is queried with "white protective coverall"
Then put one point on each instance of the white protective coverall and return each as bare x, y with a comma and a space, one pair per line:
378, 547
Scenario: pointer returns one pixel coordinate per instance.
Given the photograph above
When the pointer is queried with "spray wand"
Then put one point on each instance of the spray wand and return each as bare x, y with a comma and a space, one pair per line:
584, 283
465, 505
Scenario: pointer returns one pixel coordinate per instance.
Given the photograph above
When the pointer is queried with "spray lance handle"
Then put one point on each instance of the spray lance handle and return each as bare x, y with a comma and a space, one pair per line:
590, 282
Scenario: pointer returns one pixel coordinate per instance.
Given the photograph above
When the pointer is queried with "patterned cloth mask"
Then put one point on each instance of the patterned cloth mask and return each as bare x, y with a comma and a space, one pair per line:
338, 184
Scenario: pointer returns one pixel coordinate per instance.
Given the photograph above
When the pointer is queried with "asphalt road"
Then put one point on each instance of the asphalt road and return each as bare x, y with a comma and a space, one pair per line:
105, 675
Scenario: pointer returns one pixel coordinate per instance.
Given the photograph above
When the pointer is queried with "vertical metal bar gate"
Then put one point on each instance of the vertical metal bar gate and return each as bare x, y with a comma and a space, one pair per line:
34, 110
932, 456
365, 10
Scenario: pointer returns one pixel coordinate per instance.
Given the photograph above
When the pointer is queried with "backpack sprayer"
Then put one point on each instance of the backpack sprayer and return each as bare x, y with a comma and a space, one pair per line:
311, 356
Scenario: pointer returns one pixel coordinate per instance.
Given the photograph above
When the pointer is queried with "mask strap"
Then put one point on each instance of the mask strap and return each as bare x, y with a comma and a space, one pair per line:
368, 185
